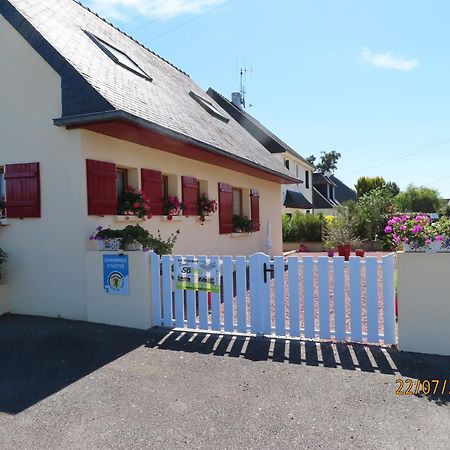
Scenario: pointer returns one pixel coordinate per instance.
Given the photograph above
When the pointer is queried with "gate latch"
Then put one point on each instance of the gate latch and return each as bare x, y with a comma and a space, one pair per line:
267, 270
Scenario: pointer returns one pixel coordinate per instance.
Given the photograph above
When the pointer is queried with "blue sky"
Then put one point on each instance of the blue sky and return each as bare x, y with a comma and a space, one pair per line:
368, 78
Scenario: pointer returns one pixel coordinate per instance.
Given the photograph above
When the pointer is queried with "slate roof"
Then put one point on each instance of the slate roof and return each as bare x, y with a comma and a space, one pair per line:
342, 192
320, 202
320, 178
272, 142
94, 83
296, 199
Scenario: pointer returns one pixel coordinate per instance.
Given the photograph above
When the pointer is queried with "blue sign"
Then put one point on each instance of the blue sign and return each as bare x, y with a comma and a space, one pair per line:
115, 274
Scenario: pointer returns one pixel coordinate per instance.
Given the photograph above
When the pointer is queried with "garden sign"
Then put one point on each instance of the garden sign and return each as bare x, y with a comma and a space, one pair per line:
198, 276
115, 274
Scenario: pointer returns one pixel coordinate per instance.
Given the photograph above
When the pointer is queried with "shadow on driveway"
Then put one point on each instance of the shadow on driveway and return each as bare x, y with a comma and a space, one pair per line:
343, 356
40, 356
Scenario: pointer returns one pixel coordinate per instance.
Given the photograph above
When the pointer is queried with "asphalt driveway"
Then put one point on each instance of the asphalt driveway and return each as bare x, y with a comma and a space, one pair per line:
75, 385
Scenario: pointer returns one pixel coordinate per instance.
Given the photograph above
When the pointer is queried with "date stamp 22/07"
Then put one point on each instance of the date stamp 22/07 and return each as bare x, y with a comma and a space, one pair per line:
427, 387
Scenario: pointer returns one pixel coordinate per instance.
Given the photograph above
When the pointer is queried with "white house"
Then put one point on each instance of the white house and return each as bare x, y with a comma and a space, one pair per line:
296, 196
87, 110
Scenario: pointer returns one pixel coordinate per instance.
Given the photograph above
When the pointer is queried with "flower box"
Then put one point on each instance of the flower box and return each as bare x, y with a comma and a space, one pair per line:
172, 219
129, 218
240, 234
109, 245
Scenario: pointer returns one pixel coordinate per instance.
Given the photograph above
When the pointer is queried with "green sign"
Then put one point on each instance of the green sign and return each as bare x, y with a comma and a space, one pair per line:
198, 276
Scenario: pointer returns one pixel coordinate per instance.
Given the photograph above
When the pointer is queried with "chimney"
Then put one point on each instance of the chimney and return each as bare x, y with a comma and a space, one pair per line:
236, 99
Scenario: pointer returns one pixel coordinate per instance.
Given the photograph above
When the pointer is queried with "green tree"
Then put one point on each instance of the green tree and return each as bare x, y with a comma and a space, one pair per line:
328, 161
375, 207
366, 184
419, 199
393, 188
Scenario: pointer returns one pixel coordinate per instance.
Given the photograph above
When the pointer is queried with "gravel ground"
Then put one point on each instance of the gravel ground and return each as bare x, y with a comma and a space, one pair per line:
379, 255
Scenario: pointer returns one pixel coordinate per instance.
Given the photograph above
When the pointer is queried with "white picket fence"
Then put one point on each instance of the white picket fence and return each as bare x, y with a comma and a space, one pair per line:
294, 297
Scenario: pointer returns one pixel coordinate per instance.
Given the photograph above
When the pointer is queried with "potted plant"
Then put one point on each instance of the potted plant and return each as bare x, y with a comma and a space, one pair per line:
242, 224
206, 207
134, 203
132, 238
342, 235
3, 258
329, 247
302, 249
173, 207
360, 252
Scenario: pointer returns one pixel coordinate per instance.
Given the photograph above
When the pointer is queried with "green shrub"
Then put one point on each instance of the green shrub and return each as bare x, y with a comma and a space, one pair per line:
302, 227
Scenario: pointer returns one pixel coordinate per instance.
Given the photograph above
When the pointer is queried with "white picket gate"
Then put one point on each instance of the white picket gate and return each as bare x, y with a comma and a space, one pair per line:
294, 297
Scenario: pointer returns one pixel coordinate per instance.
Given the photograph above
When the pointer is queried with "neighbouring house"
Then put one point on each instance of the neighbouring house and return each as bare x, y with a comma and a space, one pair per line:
329, 192
297, 196
342, 192
324, 194
87, 110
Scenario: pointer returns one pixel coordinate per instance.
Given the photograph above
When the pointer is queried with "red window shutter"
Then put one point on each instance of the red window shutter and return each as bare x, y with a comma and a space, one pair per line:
190, 192
254, 204
225, 208
152, 186
101, 188
23, 190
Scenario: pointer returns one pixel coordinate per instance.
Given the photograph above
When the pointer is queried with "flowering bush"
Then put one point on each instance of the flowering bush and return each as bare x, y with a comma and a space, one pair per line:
134, 203
173, 207
135, 233
415, 230
206, 207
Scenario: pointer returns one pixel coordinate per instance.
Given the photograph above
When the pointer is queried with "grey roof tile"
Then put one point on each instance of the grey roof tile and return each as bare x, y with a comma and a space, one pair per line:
165, 101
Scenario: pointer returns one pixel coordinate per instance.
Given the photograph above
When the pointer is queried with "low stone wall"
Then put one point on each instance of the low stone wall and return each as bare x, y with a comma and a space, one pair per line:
311, 246
319, 247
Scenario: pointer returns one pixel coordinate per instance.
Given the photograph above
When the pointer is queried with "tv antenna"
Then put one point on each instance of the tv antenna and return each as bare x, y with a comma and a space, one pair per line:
243, 72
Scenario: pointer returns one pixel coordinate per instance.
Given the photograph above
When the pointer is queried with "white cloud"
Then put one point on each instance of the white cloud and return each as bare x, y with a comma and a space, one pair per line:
389, 61
154, 9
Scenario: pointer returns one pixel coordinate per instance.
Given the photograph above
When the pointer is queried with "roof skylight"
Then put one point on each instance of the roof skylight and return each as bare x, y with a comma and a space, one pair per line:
119, 57
208, 106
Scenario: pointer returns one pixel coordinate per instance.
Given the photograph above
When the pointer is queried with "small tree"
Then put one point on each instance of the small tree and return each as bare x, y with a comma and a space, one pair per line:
328, 161
375, 207
366, 184
393, 188
419, 199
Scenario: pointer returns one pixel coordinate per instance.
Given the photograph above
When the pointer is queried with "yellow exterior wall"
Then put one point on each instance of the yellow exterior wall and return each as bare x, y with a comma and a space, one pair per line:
46, 272
45, 269
194, 238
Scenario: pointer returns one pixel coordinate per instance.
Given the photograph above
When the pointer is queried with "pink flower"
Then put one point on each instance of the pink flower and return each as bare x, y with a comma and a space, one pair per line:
438, 237
388, 229
402, 227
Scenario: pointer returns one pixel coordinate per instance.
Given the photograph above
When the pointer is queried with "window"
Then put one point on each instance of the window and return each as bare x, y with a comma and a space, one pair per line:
121, 181
237, 202
118, 56
208, 106
307, 179
296, 170
286, 163
165, 186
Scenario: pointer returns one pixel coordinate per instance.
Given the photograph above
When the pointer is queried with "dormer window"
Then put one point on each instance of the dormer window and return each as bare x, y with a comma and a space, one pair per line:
208, 106
118, 56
